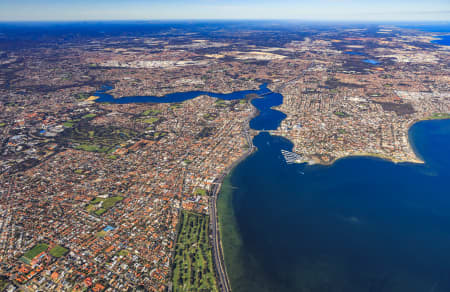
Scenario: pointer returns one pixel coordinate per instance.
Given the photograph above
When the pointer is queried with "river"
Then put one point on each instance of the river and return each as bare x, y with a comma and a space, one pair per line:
361, 224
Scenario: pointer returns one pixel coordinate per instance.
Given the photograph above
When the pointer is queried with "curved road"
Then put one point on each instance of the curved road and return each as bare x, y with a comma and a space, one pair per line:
219, 262
218, 257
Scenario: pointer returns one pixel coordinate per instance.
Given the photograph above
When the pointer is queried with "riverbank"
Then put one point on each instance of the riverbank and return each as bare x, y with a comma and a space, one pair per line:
216, 222
228, 226
315, 160
367, 154
259, 114
298, 228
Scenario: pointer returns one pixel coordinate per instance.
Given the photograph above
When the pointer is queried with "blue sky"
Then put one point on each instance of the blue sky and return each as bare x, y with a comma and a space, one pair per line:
400, 10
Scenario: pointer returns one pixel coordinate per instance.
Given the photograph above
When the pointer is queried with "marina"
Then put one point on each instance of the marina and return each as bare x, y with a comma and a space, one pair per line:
291, 157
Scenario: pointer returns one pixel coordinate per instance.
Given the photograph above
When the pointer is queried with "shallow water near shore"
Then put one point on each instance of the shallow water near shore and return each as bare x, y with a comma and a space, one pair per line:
361, 224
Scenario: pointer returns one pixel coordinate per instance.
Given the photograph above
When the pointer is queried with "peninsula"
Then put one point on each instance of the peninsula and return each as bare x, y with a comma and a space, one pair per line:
107, 185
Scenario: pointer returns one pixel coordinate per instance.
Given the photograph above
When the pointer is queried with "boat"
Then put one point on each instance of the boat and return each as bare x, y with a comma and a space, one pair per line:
291, 157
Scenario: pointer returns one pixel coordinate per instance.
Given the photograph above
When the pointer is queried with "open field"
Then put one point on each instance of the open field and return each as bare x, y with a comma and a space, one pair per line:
150, 121
200, 192
193, 267
58, 251
84, 136
151, 112
32, 253
98, 206
89, 116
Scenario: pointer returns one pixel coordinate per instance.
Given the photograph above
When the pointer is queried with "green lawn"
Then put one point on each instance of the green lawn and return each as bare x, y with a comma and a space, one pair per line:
341, 114
439, 116
37, 249
102, 139
210, 117
101, 234
82, 96
97, 200
200, 192
193, 266
175, 106
89, 116
151, 112
58, 251
68, 124
150, 121
220, 103
107, 203
123, 252
92, 148
99, 211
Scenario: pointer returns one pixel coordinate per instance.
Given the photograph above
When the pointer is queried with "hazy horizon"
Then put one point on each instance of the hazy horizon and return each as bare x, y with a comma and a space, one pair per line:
321, 10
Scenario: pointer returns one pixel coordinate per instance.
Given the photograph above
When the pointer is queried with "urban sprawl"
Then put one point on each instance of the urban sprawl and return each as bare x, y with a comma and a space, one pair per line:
106, 197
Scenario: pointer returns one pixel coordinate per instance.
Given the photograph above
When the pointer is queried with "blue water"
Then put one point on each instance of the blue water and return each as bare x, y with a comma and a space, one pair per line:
268, 119
372, 62
354, 53
444, 40
437, 28
441, 27
179, 96
108, 228
369, 61
362, 224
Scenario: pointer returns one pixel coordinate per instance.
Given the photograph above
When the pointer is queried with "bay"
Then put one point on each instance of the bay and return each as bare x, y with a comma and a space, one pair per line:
361, 224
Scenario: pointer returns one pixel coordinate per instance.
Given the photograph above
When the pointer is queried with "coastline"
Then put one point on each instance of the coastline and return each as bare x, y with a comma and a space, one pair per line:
102, 96
110, 92
437, 39
240, 207
417, 160
216, 230
224, 285
369, 155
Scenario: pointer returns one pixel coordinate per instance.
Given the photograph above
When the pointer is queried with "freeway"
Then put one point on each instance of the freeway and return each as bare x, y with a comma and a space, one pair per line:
218, 257
224, 285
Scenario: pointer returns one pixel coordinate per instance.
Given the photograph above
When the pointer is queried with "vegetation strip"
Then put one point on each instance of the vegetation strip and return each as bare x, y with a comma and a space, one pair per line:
193, 266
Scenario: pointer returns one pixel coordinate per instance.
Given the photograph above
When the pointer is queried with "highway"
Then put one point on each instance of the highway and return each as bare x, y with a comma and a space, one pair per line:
218, 257
219, 263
